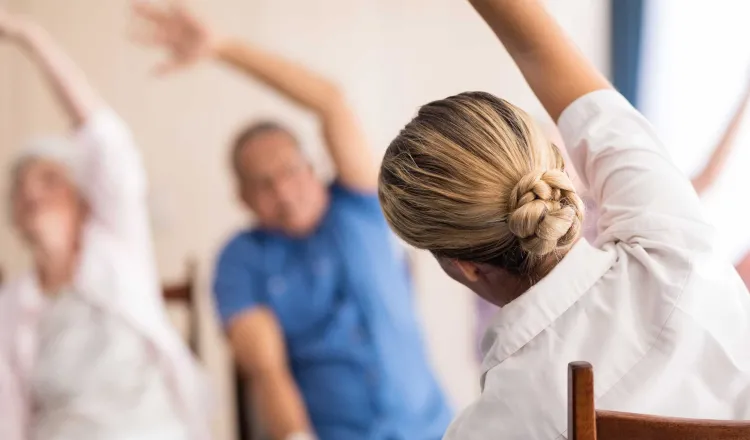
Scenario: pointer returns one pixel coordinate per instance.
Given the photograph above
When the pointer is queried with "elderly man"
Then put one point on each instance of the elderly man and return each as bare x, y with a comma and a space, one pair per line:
316, 300
86, 350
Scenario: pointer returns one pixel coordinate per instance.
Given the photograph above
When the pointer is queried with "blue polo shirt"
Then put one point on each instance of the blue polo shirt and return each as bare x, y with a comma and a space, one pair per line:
344, 301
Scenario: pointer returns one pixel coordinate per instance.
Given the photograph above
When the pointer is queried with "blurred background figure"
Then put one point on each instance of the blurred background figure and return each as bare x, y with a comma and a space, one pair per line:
315, 300
721, 152
86, 351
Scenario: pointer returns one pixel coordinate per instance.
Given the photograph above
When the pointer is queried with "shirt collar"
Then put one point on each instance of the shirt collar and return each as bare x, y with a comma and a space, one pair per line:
516, 324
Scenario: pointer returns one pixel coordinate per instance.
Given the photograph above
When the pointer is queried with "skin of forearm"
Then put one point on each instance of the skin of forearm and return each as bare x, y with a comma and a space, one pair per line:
539, 46
721, 152
304, 87
279, 403
68, 83
522, 26
344, 137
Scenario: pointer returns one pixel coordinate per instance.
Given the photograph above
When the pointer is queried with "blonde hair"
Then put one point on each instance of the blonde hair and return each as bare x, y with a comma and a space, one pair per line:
472, 177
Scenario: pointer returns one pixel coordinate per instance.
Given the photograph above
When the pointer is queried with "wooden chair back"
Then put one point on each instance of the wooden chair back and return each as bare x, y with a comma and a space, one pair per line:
184, 294
247, 430
585, 422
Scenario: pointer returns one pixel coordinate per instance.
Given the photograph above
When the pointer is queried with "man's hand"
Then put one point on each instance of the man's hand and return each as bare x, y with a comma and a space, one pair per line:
185, 37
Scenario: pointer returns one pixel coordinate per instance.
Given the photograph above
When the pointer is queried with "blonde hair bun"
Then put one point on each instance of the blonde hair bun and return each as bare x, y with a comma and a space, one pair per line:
473, 178
545, 213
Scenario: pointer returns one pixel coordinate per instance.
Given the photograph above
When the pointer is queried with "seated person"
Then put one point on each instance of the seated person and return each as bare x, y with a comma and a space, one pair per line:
316, 300
86, 349
656, 309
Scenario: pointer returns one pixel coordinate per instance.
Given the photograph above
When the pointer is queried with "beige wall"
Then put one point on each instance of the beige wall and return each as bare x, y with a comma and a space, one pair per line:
389, 55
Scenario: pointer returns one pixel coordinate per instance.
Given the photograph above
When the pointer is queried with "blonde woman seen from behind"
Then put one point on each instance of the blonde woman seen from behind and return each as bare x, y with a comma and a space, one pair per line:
662, 317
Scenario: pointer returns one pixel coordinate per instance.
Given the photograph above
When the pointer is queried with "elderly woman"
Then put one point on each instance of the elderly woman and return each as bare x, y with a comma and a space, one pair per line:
86, 350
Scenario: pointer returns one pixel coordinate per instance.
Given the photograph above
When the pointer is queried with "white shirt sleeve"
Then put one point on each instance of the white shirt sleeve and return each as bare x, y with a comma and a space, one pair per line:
618, 156
113, 177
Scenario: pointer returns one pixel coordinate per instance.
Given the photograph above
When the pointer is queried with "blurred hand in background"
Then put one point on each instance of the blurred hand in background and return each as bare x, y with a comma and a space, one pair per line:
186, 38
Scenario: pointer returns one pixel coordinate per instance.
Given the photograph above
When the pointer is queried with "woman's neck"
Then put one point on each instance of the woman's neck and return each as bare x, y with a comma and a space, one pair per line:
508, 286
55, 270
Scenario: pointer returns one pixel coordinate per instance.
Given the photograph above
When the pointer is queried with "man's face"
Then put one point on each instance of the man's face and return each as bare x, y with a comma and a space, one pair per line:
279, 185
46, 205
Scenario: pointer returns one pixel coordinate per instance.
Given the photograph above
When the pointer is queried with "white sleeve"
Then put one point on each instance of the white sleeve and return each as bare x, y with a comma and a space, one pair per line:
13, 405
113, 178
640, 193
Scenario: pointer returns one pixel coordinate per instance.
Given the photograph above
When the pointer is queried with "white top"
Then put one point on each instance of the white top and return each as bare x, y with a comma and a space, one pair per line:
664, 320
116, 273
95, 378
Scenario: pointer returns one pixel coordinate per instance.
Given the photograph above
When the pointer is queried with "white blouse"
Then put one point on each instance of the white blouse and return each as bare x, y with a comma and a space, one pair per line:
116, 274
95, 377
661, 315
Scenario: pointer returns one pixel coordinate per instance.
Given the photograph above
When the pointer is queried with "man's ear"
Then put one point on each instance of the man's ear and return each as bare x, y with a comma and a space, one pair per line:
470, 270
241, 193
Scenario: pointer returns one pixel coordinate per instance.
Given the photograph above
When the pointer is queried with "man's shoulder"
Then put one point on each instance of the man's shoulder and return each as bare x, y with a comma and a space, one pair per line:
243, 242
251, 248
347, 198
361, 207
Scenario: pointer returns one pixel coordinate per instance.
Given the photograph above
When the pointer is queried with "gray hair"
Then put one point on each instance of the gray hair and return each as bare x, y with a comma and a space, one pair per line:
251, 132
54, 149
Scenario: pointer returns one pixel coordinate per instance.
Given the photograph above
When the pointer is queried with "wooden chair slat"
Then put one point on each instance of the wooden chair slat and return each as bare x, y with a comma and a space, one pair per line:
615, 425
581, 411
587, 423
184, 293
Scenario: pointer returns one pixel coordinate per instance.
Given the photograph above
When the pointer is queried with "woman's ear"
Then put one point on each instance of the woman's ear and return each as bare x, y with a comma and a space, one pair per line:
469, 270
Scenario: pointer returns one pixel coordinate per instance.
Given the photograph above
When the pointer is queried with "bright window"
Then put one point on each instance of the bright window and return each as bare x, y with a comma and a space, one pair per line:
696, 65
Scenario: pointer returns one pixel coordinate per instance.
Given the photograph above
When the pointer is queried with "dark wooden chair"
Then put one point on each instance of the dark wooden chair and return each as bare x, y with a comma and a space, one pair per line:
183, 294
246, 428
585, 422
